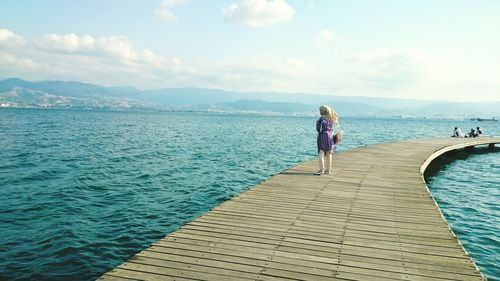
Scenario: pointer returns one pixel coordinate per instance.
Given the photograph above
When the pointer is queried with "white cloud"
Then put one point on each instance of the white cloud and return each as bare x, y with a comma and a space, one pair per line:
325, 36
262, 73
19, 63
118, 47
391, 68
68, 42
9, 39
259, 13
109, 60
164, 12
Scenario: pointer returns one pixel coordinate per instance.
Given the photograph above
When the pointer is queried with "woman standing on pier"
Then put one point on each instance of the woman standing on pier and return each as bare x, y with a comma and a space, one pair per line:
325, 143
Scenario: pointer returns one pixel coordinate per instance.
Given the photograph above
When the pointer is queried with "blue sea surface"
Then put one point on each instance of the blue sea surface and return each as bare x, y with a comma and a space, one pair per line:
82, 191
466, 186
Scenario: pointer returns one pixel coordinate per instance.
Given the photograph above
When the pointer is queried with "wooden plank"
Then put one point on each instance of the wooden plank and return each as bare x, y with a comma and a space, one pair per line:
431, 267
220, 254
178, 269
217, 266
300, 274
412, 273
211, 245
110, 277
138, 275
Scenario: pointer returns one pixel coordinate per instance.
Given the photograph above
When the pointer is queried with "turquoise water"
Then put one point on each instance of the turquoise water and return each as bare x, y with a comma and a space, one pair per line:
81, 191
467, 188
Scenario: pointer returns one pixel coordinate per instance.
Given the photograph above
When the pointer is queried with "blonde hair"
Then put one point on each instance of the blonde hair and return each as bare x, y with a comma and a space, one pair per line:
329, 114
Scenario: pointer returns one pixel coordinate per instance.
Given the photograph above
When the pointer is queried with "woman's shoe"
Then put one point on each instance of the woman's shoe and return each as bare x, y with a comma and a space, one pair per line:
319, 173
328, 173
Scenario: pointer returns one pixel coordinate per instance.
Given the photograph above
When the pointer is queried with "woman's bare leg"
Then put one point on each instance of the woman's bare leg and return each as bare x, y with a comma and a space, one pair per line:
328, 164
321, 160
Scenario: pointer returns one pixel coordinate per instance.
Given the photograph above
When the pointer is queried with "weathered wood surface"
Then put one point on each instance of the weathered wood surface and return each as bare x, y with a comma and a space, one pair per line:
372, 219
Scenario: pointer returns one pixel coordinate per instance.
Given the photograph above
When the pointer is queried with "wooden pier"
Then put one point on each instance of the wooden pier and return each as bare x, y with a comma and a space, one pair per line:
372, 219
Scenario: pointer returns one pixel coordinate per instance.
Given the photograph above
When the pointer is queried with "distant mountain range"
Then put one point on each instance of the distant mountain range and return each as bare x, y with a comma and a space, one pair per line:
16, 92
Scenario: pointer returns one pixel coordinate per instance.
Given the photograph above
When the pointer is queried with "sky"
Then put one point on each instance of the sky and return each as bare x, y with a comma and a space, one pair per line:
421, 49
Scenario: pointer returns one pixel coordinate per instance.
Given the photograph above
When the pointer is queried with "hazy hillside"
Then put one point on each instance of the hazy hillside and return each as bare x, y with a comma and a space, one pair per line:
15, 92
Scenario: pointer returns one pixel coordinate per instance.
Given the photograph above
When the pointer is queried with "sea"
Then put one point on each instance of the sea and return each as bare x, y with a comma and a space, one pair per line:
82, 191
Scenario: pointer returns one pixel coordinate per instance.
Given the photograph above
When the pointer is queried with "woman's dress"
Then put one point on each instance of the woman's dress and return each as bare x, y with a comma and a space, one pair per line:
324, 141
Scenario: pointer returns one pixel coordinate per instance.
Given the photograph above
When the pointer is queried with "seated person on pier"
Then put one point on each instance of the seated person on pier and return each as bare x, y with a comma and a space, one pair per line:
478, 132
457, 133
472, 133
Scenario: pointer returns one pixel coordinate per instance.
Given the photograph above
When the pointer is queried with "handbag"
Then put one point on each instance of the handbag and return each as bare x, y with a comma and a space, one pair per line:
337, 138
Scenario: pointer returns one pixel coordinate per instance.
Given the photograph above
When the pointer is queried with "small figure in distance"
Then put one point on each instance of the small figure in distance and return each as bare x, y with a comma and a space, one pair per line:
472, 133
457, 133
478, 132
